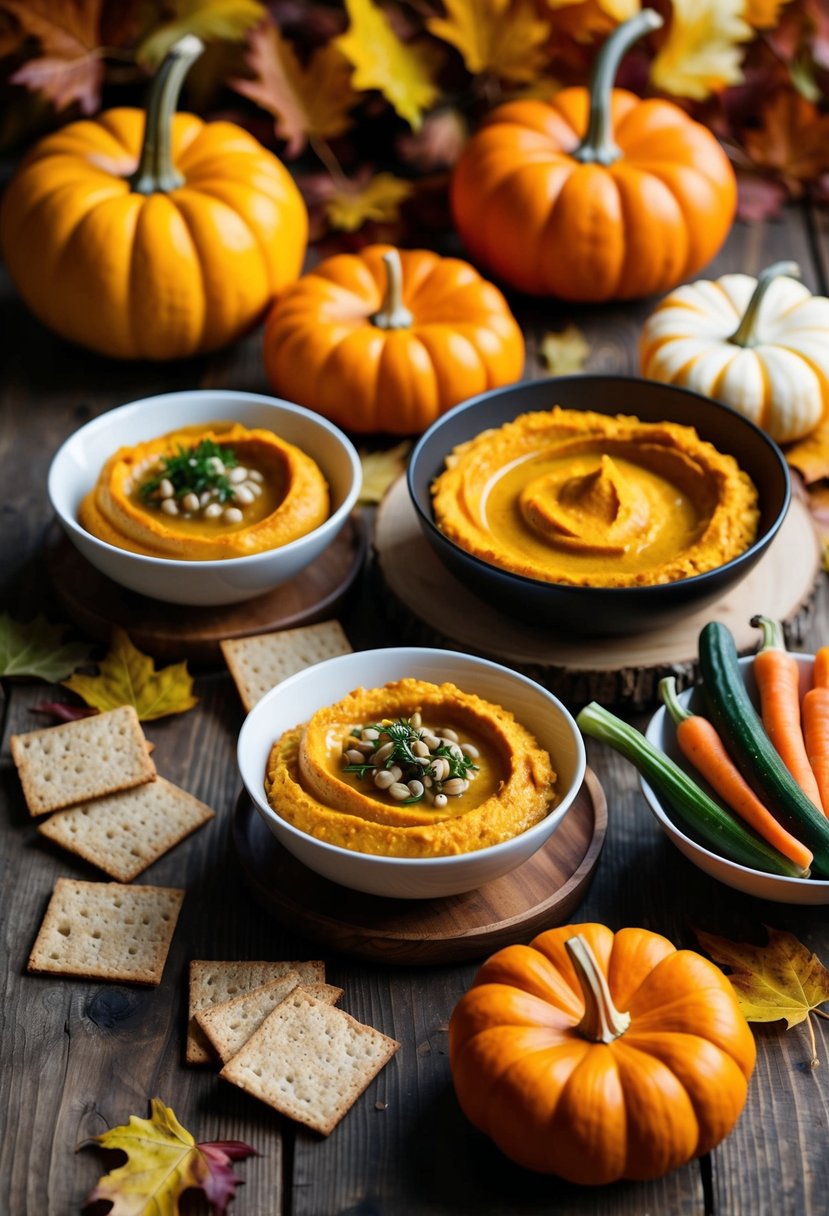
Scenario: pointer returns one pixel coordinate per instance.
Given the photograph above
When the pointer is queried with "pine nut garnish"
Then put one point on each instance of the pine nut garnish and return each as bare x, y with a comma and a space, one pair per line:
409, 762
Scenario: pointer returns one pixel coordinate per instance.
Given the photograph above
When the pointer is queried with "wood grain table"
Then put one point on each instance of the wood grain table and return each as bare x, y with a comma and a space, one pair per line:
79, 1057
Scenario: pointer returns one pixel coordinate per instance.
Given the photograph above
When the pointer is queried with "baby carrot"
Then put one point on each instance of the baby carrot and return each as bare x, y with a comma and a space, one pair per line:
778, 683
815, 711
701, 745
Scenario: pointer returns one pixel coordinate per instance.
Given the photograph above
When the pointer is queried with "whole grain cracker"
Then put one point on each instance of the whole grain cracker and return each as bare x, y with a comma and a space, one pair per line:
124, 833
212, 983
229, 1026
260, 662
107, 931
310, 1061
87, 758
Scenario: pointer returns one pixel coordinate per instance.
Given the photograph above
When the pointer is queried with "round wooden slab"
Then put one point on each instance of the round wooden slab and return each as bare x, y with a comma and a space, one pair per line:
433, 608
176, 631
543, 892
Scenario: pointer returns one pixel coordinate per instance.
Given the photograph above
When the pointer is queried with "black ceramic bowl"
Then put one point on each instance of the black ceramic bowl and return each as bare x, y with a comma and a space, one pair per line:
601, 610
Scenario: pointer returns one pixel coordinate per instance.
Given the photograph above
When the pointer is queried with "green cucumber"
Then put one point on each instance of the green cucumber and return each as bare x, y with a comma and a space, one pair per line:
697, 811
741, 730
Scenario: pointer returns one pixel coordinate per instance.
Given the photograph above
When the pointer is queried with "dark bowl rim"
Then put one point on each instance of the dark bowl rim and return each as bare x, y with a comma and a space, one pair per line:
521, 580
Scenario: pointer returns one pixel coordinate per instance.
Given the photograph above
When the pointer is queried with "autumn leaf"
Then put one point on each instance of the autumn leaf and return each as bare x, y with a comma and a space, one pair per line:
226, 20
565, 352
810, 455
780, 981
307, 102
352, 204
793, 140
702, 52
438, 143
381, 469
164, 1161
586, 20
70, 67
36, 648
817, 498
505, 37
402, 72
128, 677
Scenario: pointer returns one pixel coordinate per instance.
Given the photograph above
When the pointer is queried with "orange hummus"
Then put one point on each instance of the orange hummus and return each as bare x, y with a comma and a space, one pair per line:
286, 497
514, 787
587, 499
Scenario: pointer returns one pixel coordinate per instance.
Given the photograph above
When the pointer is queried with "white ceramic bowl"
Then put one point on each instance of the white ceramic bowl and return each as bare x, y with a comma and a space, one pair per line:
78, 462
297, 698
775, 887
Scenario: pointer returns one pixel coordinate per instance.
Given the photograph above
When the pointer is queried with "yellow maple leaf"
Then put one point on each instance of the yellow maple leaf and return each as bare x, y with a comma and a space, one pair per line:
565, 352
763, 14
586, 20
403, 73
702, 52
163, 1161
128, 677
504, 37
782, 981
227, 20
350, 206
381, 469
308, 102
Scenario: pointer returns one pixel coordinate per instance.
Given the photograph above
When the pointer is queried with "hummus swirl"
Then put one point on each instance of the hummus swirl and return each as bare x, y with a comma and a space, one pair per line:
294, 501
570, 496
306, 786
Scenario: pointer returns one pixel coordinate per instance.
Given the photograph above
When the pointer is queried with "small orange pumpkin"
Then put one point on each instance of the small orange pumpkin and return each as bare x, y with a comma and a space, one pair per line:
597, 1056
152, 236
387, 341
641, 200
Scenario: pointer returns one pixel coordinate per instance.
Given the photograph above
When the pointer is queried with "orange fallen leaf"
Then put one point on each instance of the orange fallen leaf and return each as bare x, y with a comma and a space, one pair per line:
782, 981
810, 456
69, 68
792, 141
128, 677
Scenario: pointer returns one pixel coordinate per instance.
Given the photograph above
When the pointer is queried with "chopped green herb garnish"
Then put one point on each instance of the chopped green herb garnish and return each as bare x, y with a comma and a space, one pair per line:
194, 470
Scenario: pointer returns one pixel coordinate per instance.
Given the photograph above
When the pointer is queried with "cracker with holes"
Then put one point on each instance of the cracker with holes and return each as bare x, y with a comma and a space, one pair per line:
229, 1026
310, 1061
124, 833
106, 931
212, 983
88, 758
260, 662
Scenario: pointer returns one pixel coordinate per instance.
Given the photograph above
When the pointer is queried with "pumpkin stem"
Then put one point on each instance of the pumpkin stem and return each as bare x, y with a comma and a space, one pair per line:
155, 172
392, 314
598, 147
744, 334
602, 1021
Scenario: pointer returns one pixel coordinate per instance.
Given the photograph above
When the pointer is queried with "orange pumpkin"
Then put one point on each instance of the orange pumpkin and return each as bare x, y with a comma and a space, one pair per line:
152, 239
598, 1056
596, 194
387, 341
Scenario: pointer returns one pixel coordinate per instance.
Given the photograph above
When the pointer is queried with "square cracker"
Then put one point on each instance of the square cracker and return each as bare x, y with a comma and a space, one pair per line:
229, 1026
310, 1061
61, 765
260, 662
213, 983
106, 931
124, 833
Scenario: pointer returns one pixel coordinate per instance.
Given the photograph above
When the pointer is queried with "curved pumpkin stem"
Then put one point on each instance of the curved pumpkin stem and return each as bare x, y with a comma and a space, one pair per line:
155, 172
392, 313
598, 147
744, 334
602, 1021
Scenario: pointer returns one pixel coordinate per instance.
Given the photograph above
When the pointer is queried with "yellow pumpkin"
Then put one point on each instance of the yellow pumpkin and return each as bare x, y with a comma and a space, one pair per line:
760, 345
154, 236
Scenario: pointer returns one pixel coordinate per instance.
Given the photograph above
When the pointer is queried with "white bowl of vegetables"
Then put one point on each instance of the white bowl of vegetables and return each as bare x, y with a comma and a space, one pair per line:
745, 868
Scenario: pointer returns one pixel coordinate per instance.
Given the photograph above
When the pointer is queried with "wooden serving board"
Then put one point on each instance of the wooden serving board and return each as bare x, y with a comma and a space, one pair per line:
543, 892
432, 607
178, 631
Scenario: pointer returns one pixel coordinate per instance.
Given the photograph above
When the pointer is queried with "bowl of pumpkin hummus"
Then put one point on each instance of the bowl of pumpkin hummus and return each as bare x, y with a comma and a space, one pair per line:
207, 497
411, 773
600, 504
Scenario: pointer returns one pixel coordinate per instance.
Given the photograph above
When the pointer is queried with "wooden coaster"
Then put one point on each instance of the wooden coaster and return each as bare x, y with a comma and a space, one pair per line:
433, 608
543, 892
177, 631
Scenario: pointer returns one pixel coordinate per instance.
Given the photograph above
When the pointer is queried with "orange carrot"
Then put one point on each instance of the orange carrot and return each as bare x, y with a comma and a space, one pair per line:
702, 746
778, 682
815, 711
